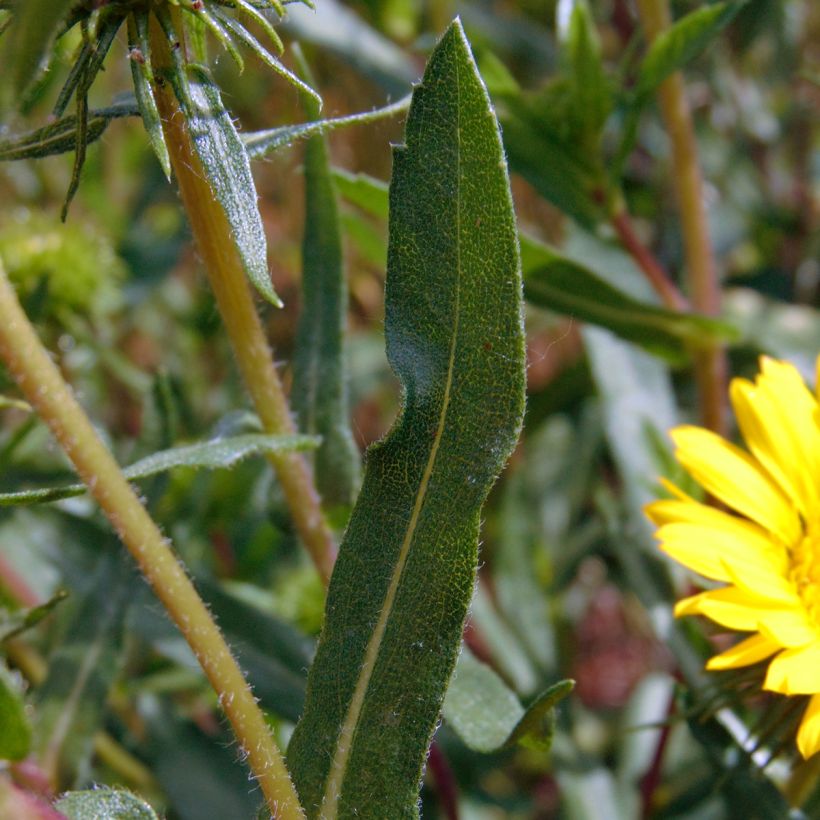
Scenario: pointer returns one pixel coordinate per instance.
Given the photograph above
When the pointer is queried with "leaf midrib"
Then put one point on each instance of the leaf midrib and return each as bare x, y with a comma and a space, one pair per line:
344, 743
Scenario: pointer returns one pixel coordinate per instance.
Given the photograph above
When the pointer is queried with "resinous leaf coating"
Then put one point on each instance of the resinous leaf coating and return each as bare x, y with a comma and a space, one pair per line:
406, 568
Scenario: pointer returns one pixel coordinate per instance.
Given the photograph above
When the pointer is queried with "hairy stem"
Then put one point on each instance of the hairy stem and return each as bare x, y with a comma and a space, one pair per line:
44, 387
704, 285
234, 299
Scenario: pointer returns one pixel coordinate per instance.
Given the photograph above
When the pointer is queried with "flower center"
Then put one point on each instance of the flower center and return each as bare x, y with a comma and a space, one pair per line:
805, 573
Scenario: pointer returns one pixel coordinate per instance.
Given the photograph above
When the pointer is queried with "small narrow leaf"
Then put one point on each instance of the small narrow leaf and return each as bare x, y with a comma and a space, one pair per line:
15, 730
207, 455
259, 144
319, 374
363, 191
17, 622
61, 136
224, 161
682, 42
536, 727
104, 804
142, 75
591, 94
400, 590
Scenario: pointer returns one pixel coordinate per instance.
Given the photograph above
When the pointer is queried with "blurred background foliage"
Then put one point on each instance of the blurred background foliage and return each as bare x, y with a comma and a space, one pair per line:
571, 584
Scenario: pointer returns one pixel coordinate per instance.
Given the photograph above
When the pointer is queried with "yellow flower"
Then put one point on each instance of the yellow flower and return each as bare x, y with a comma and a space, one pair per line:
767, 548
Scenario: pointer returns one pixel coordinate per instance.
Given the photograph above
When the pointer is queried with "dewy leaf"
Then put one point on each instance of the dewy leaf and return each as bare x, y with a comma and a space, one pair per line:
104, 804
259, 144
223, 158
207, 455
15, 730
406, 569
319, 377
682, 42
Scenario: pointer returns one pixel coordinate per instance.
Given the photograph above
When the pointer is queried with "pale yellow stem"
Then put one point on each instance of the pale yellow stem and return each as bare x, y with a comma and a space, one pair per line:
702, 277
43, 386
234, 299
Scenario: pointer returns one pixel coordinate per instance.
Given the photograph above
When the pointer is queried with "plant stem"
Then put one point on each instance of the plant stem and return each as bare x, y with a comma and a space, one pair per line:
704, 286
646, 261
44, 387
234, 299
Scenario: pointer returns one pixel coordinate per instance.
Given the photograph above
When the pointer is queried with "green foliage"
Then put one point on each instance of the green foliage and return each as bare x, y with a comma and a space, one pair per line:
319, 373
208, 455
15, 729
397, 603
75, 265
98, 686
104, 804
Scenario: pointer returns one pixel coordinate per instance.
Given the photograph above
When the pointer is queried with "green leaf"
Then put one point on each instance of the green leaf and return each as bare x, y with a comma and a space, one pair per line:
682, 42
142, 75
61, 136
487, 715
537, 726
223, 158
206, 455
15, 730
406, 569
25, 52
260, 144
17, 622
104, 804
592, 98
555, 166
366, 192
319, 375
479, 706
71, 702
555, 282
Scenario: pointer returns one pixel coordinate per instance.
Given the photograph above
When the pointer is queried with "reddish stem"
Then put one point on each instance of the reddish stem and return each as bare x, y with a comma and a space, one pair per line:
646, 261
445, 782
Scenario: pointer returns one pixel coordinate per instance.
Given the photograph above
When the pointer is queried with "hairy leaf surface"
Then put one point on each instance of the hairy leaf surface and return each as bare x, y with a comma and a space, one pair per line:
406, 569
205, 455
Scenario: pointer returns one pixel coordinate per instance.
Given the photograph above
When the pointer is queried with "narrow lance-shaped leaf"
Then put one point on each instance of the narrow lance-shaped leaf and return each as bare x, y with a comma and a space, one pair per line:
319, 377
208, 455
226, 165
406, 569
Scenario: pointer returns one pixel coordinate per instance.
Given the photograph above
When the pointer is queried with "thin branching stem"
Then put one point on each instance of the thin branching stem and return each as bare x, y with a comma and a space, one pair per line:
44, 387
702, 277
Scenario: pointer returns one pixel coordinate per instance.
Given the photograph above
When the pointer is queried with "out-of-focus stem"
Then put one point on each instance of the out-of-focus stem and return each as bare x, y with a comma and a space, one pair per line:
44, 387
234, 298
657, 276
704, 287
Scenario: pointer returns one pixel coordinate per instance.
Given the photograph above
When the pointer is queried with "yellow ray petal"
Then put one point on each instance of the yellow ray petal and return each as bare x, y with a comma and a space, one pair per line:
808, 736
795, 671
708, 550
738, 609
734, 477
776, 419
749, 651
